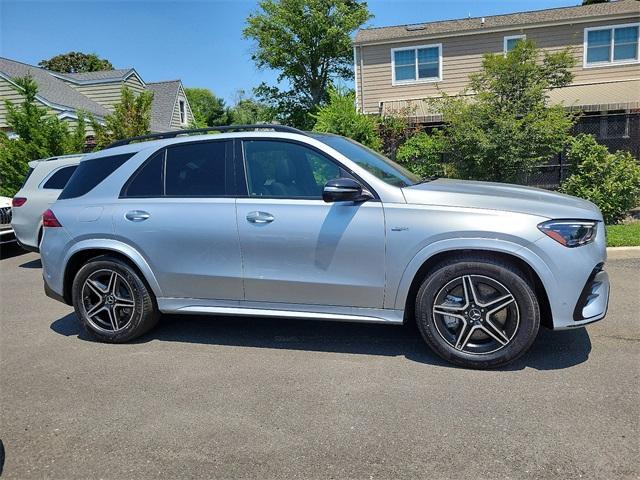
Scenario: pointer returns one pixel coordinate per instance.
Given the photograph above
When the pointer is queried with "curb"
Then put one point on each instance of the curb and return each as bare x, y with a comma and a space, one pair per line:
628, 253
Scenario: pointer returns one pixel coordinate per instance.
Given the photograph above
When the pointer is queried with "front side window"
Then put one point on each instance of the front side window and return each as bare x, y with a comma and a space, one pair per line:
511, 42
417, 64
378, 165
60, 177
611, 45
287, 170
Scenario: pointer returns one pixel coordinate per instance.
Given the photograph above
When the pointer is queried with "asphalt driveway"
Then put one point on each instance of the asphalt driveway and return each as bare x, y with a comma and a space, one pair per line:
223, 397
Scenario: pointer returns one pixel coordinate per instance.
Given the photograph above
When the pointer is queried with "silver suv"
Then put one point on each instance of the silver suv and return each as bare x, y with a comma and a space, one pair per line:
284, 223
45, 180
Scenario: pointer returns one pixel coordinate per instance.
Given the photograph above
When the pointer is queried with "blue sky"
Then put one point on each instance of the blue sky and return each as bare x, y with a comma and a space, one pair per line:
199, 42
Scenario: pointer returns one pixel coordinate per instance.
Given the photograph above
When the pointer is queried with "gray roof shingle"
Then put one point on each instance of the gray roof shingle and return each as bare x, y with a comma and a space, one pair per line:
52, 89
101, 75
164, 100
406, 32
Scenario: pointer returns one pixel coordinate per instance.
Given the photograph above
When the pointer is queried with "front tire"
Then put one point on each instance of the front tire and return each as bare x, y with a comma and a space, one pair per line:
477, 312
112, 302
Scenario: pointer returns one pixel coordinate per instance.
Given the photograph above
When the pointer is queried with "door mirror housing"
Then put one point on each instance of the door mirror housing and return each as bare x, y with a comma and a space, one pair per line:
345, 190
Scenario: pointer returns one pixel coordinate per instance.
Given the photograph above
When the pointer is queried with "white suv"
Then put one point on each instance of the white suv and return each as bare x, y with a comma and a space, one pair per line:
42, 186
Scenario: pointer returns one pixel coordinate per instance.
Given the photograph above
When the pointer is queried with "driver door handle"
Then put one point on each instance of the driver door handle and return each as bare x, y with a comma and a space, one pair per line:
260, 217
137, 215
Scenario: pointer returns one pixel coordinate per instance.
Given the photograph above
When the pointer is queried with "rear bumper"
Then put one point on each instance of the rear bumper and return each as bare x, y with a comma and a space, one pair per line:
49, 292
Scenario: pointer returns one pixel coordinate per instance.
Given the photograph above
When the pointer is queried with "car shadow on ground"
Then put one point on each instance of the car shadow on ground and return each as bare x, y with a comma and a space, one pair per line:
32, 264
11, 250
550, 351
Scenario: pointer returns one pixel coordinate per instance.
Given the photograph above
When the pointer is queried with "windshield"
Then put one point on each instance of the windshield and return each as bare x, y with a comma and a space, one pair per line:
386, 170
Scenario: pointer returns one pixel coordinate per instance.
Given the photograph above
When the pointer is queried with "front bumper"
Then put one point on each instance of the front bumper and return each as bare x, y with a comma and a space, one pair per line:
7, 235
593, 302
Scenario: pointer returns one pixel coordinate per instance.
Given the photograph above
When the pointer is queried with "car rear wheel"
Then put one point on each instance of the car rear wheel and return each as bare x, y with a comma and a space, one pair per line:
477, 312
112, 302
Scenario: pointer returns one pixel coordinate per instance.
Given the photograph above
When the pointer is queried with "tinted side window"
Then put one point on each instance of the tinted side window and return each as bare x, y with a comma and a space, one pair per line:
60, 178
196, 169
287, 170
90, 173
149, 180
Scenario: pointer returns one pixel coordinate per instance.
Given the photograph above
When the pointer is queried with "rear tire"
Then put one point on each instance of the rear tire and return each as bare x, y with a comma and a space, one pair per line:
112, 302
477, 312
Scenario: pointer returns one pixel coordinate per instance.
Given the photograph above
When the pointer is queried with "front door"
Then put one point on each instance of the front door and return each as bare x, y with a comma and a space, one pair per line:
178, 211
295, 247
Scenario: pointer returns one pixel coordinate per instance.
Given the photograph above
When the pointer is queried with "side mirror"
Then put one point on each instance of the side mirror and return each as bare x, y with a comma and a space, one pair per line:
344, 190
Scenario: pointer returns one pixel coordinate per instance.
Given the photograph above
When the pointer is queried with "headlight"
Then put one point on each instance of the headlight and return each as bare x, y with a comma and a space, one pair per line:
570, 233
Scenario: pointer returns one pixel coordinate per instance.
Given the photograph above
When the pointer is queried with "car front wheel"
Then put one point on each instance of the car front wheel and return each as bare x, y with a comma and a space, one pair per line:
112, 302
477, 312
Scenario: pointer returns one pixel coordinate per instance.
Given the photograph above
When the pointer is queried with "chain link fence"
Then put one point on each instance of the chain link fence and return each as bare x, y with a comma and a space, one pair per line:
617, 131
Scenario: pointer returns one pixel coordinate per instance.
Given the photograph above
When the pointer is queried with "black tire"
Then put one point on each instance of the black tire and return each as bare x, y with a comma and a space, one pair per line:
131, 322
513, 333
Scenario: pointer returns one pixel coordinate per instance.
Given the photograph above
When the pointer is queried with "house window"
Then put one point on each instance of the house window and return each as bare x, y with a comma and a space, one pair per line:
511, 41
183, 112
611, 45
416, 64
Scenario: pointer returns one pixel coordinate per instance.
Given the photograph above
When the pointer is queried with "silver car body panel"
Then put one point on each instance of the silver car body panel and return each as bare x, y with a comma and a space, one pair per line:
27, 219
342, 261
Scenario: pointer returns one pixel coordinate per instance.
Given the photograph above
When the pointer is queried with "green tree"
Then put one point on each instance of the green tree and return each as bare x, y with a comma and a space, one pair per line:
76, 62
422, 154
38, 135
131, 117
507, 127
339, 116
208, 109
610, 180
247, 111
308, 42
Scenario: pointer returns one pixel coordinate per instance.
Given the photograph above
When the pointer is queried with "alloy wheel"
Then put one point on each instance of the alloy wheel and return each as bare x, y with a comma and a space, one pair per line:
476, 314
108, 300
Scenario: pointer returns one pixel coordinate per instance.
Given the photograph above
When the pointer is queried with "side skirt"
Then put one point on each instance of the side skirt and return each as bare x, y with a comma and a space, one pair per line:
287, 310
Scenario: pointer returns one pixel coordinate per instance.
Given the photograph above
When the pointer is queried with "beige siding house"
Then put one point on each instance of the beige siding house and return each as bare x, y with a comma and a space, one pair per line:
94, 92
397, 67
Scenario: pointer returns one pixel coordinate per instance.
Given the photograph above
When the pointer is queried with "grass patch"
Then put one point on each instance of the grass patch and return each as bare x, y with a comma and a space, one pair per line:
626, 235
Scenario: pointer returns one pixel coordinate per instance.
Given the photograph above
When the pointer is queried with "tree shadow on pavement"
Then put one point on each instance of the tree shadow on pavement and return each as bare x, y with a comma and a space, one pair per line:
550, 351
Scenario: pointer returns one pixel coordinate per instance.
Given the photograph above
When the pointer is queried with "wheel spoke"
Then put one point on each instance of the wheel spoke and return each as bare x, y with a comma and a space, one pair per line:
113, 318
113, 280
124, 302
498, 304
97, 308
461, 333
451, 310
469, 290
463, 344
498, 335
95, 288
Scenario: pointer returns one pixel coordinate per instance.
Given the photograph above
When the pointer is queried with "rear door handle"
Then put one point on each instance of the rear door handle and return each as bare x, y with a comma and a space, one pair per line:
137, 215
260, 217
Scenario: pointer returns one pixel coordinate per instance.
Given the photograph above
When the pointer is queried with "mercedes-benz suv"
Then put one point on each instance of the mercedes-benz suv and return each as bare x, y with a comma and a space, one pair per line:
271, 221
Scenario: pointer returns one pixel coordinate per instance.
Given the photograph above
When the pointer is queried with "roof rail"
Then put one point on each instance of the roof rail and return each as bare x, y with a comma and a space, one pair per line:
221, 128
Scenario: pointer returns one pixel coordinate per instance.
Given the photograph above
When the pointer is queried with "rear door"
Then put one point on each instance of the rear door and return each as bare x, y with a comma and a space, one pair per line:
178, 210
295, 247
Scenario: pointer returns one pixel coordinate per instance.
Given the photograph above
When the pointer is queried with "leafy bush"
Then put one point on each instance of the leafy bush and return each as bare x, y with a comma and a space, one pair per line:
39, 135
341, 117
422, 154
610, 180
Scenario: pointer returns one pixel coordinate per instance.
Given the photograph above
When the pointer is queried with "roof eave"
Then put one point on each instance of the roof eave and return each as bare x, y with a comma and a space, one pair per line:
481, 30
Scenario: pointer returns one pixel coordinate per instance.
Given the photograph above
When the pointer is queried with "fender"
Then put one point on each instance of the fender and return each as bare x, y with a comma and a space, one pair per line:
484, 244
120, 247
